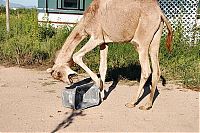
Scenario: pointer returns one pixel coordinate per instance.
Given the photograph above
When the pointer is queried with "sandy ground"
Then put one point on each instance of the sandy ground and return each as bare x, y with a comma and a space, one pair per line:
30, 101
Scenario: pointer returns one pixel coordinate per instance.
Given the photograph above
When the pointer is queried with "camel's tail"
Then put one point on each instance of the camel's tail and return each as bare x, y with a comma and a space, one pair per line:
170, 32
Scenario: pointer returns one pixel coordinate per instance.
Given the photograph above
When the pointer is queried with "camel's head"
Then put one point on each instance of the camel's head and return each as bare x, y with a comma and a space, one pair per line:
62, 72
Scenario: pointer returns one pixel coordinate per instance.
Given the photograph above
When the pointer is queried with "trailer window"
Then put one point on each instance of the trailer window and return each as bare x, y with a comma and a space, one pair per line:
71, 4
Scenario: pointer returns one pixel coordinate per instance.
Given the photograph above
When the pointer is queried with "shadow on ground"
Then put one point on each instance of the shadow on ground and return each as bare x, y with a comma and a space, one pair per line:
69, 120
132, 72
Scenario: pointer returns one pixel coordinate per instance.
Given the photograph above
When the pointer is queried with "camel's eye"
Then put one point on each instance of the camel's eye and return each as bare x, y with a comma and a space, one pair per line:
52, 72
59, 74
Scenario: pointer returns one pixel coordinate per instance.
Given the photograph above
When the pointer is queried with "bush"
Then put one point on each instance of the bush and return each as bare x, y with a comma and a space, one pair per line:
46, 31
28, 43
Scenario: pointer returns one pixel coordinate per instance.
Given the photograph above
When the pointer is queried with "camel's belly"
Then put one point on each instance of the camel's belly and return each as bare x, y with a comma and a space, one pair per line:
119, 23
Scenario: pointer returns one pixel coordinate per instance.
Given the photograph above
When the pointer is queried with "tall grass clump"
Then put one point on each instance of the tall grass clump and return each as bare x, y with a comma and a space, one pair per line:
27, 42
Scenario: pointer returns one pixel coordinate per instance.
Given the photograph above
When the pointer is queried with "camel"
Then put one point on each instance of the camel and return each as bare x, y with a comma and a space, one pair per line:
139, 22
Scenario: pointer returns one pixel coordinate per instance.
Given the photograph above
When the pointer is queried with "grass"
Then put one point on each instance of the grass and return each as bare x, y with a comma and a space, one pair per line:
183, 63
30, 44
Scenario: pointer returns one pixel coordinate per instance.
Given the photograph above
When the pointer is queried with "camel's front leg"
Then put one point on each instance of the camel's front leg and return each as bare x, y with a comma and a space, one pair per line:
77, 57
103, 62
103, 65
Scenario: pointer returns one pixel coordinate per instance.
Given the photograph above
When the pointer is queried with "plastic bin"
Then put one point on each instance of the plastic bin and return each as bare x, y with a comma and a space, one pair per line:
81, 97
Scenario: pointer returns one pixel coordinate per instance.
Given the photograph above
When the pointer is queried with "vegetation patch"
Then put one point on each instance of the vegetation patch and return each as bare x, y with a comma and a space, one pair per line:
30, 43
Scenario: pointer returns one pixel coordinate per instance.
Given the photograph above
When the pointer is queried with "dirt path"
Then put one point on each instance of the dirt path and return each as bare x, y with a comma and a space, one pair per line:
30, 100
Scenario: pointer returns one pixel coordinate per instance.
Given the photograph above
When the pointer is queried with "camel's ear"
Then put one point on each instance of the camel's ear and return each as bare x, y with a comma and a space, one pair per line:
49, 70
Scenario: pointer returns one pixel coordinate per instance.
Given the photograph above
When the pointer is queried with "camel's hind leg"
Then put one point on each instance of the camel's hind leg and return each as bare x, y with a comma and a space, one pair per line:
77, 57
145, 72
142, 39
154, 51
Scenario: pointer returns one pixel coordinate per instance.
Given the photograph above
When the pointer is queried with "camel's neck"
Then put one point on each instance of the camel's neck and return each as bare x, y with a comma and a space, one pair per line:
65, 54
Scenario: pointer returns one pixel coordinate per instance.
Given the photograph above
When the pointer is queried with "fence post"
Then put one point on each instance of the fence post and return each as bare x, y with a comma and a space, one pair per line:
8, 15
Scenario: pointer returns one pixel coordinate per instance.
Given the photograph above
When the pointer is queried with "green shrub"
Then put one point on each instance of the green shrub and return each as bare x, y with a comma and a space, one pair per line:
28, 42
46, 31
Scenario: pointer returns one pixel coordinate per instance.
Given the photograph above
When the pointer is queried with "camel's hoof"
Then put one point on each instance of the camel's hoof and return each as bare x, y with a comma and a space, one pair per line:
145, 108
130, 105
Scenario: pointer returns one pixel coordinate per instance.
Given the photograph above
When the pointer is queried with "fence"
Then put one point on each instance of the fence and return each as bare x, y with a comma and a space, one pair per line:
184, 11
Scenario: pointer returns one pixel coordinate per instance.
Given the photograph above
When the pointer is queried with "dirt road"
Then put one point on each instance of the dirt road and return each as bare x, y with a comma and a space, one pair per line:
30, 101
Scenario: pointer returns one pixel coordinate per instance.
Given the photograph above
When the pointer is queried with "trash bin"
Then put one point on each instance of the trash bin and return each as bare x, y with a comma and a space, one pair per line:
81, 97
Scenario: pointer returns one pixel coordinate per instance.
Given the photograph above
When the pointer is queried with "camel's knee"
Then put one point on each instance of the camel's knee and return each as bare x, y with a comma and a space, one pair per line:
77, 57
146, 74
155, 65
146, 70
